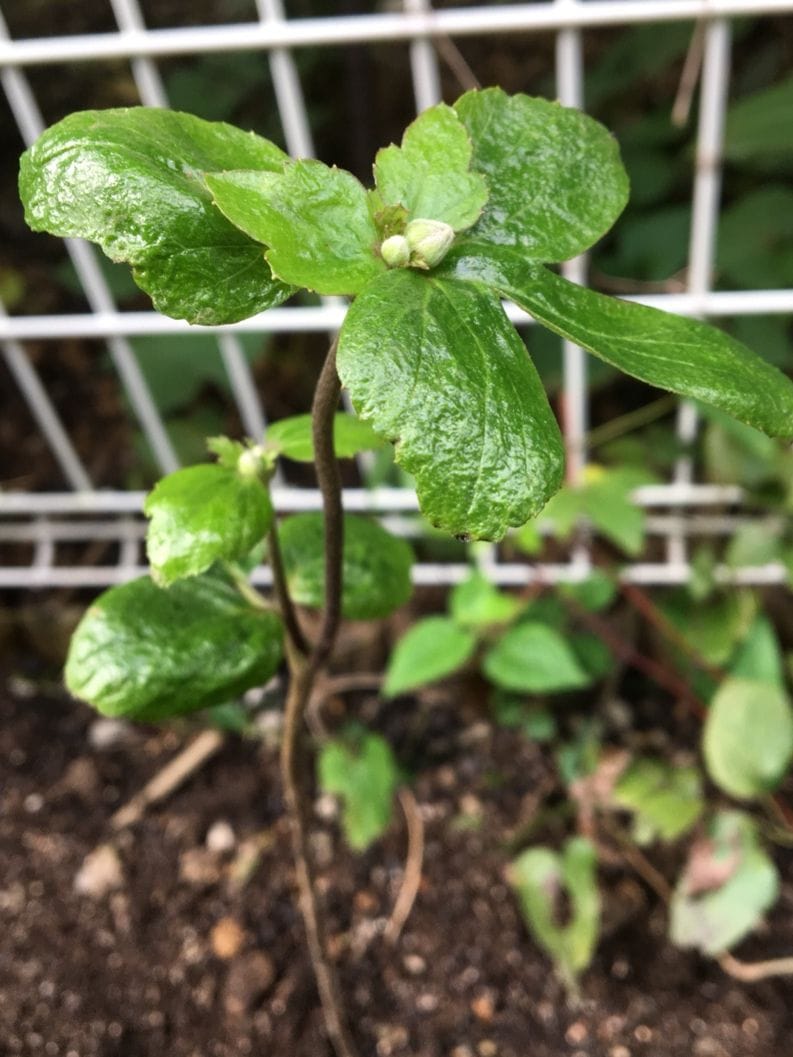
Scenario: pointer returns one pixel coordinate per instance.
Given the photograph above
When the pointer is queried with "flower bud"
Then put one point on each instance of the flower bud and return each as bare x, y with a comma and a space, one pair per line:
249, 464
429, 242
395, 251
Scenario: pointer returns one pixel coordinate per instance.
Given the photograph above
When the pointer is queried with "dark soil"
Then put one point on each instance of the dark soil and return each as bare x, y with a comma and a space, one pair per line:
139, 971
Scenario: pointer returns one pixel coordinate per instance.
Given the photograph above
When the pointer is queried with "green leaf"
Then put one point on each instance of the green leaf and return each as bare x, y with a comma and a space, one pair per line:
555, 176
314, 219
608, 504
201, 515
148, 654
541, 878
432, 649
365, 776
375, 569
131, 180
754, 543
683, 355
436, 366
759, 656
475, 603
292, 437
748, 738
594, 594
727, 885
429, 174
535, 659
666, 801
715, 628
758, 129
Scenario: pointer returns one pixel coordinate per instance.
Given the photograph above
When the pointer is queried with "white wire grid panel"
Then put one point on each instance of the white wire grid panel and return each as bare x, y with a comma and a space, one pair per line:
84, 514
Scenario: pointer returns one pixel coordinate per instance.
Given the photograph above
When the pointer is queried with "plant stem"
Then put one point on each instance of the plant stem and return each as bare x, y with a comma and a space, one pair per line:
293, 629
295, 755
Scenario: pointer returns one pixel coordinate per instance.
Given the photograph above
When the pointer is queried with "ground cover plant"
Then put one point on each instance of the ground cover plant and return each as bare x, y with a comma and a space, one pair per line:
477, 204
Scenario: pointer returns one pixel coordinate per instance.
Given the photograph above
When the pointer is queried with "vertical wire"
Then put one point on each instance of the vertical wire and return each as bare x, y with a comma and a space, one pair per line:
704, 222
31, 125
570, 90
152, 93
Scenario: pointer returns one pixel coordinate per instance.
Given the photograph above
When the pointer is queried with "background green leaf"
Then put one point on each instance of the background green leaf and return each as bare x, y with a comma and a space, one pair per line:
535, 659
375, 569
201, 515
476, 603
431, 649
748, 738
665, 800
292, 437
314, 219
437, 367
147, 653
365, 775
555, 177
131, 180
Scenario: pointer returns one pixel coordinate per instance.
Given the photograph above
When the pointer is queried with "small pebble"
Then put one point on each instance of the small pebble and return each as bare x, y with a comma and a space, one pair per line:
619, 1051
106, 734
414, 964
227, 938
198, 867
220, 837
81, 778
576, 1033
33, 803
483, 1007
487, 1048
250, 976
100, 873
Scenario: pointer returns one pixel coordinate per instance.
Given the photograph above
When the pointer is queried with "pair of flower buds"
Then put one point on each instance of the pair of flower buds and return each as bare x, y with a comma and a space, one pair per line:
424, 244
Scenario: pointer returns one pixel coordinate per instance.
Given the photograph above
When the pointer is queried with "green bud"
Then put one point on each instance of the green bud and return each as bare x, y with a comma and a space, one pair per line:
250, 464
429, 242
395, 251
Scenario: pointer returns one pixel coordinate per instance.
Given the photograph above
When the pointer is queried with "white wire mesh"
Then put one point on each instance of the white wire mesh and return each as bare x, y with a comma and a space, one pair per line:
43, 519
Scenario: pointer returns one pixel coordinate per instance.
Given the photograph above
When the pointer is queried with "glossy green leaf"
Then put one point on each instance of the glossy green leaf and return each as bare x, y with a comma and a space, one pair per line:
314, 219
476, 603
375, 570
201, 515
748, 738
432, 649
131, 180
437, 367
727, 885
542, 878
665, 801
365, 776
292, 437
429, 174
147, 653
555, 177
683, 355
535, 659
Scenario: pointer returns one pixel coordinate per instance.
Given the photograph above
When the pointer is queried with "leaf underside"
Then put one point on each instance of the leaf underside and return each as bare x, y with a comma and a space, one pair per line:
436, 367
131, 181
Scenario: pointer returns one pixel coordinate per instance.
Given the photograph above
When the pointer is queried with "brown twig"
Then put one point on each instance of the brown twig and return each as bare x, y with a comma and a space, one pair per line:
636, 858
295, 755
692, 67
414, 860
281, 588
751, 972
176, 771
456, 61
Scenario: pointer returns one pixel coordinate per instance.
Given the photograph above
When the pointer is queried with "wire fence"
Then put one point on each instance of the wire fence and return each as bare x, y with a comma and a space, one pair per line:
83, 513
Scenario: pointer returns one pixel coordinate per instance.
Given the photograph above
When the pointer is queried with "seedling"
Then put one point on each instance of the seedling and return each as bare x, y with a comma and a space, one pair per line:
219, 224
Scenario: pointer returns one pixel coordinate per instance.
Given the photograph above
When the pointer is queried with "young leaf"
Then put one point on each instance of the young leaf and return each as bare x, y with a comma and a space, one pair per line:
148, 654
437, 366
555, 177
201, 515
682, 355
748, 738
432, 649
727, 885
666, 801
475, 603
375, 572
365, 776
429, 174
759, 656
131, 180
292, 437
534, 659
314, 219
541, 877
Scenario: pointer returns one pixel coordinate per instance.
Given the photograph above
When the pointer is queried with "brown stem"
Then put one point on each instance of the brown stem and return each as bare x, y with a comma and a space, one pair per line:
411, 880
296, 757
293, 629
751, 972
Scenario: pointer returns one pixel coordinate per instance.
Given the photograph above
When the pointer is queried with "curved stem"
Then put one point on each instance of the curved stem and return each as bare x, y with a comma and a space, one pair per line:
295, 755
293, 629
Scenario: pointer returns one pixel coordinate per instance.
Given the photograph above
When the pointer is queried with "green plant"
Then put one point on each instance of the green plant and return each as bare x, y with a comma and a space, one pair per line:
218, 224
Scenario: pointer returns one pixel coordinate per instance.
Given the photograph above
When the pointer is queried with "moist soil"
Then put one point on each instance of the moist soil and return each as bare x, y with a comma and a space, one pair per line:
195, 948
